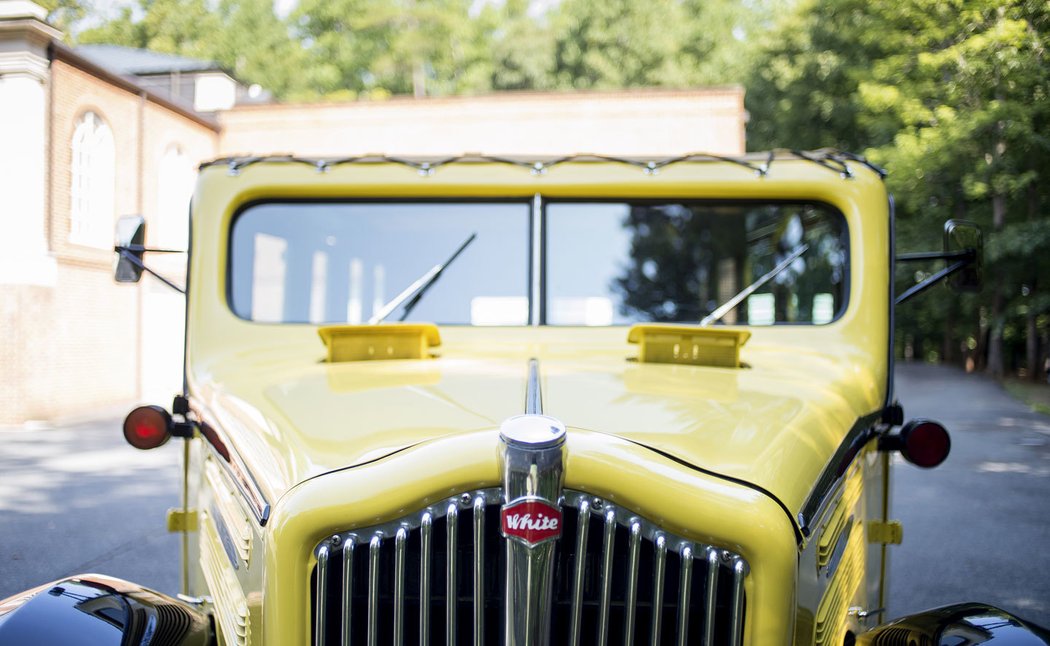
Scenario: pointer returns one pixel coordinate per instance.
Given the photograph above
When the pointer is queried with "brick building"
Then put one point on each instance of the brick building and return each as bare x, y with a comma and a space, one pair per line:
87, 135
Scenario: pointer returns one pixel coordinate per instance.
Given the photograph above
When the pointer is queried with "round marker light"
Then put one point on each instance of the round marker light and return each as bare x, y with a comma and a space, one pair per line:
147, 427
925, 443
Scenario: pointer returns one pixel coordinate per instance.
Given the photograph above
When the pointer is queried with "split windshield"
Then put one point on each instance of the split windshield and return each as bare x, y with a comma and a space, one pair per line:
603, 263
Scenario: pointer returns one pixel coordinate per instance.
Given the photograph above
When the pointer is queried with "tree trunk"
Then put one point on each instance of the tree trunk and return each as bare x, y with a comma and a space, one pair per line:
419, 80
1031, 336
995, 336
948, 342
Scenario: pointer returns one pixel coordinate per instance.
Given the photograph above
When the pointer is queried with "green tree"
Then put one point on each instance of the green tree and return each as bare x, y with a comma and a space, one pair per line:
65, 14
962, 91
422, 47
951, 97
669, 43
802, 86
244, 36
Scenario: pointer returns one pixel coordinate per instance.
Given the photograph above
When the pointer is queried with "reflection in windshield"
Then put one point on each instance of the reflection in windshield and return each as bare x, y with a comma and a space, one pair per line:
604, 263
619, 263
342, 262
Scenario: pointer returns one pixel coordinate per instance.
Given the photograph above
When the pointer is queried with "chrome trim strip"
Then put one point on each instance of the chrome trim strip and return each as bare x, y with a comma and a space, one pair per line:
535, 281
863, 431
533, 395
479, 570
712, 596
737, 613
426, 526
373, 590
451, 600
533, 448
400, 539
320, 595
583, 524
348, 587
632, 583
245, 482
684, 584
659, 562
608, 542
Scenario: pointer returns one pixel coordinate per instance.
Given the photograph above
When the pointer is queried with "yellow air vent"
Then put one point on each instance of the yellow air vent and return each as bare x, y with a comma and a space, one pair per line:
848, 574
688, 344
384, 341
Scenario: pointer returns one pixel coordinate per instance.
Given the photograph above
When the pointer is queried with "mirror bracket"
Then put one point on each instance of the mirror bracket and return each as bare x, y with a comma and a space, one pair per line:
131, 234
132, 256
963, 248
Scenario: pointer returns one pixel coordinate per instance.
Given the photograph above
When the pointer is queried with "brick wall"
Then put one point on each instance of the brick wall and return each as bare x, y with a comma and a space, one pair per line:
86, 344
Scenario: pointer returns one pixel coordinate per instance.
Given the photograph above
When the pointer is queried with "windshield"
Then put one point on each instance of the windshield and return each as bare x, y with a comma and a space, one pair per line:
603, 263
318, 262
628, 262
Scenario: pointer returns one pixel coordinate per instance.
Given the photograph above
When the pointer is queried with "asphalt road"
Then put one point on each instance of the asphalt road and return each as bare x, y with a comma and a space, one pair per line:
976, 528
77, 498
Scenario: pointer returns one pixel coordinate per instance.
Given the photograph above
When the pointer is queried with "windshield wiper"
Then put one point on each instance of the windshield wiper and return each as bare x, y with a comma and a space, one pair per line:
726, 307
416, 290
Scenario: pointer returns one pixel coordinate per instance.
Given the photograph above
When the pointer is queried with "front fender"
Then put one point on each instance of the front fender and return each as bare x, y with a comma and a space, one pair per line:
958, 625
96, 610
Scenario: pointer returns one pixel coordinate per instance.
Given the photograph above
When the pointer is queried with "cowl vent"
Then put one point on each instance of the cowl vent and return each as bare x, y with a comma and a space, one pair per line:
377, 342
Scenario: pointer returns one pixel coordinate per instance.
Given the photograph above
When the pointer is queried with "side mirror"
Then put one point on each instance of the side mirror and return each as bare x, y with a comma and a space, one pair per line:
130, 245
964, 237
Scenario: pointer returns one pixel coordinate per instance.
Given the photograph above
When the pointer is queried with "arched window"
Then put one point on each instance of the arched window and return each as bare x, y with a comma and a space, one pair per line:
176, 176
94, 183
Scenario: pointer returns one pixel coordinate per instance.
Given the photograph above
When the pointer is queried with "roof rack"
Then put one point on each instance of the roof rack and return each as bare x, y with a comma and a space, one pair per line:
760, 163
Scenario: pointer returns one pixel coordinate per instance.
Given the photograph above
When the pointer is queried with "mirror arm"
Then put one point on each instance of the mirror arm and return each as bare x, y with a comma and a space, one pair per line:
965, 254
137, 248
127, 253
934, 279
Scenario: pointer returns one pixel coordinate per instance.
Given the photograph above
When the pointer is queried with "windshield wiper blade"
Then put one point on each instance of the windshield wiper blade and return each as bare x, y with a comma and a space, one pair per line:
416, 290
726, 307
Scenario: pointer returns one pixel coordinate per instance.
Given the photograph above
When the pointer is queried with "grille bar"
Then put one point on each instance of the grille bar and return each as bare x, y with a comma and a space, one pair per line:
450, 573
632, 583
399, 586
659, 559
320, 615
608, 542
479, 570
583, 511
683, 600
373, 589
426, 526
348, 586
737, 612
712, 590
615, 573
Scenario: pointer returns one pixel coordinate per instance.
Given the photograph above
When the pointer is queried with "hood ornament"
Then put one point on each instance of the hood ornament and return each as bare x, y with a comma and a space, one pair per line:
532, 448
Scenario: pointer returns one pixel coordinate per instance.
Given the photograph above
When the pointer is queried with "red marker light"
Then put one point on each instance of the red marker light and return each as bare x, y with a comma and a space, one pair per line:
924, 443
147, 427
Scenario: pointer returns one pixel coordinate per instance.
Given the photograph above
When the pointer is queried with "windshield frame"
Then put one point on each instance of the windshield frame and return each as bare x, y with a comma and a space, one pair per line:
536, 250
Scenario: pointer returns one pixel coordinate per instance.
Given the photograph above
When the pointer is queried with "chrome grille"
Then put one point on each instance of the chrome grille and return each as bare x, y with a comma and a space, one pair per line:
618, 579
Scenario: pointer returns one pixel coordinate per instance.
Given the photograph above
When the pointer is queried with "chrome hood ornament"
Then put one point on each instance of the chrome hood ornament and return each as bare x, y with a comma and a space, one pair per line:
533, 447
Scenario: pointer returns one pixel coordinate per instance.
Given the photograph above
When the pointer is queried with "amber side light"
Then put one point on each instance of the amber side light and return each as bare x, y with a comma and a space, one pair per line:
922, 442
147, 427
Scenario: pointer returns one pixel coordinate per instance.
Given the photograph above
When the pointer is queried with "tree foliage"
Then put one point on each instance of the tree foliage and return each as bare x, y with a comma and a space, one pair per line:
374, 48
951, 97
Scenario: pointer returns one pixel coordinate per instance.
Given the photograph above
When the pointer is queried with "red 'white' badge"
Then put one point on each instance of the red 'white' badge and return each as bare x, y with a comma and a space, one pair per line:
531, 521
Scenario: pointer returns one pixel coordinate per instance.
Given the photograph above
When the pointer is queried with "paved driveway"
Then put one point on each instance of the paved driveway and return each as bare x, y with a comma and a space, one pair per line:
977, 528
78, 498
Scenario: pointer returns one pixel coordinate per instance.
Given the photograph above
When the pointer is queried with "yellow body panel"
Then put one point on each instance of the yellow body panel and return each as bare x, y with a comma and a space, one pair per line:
724, 455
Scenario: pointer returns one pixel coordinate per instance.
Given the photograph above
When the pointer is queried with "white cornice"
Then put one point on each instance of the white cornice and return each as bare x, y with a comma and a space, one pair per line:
24, 64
